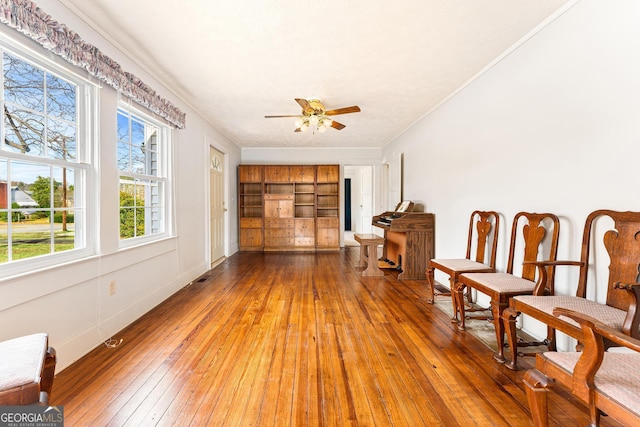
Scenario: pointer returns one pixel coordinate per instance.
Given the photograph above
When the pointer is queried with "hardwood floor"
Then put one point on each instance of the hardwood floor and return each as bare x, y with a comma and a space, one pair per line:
298, 339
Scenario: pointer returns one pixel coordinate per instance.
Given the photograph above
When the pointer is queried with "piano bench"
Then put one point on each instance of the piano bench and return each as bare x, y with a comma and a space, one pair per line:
369, 253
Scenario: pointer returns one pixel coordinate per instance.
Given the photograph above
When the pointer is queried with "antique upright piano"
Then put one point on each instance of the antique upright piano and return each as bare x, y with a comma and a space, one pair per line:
408, 241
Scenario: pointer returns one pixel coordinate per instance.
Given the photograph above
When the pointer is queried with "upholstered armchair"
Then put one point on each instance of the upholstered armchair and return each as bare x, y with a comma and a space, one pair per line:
608, 382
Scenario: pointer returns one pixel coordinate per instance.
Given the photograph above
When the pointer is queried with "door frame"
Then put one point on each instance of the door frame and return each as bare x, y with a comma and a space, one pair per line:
210, 142
348, 169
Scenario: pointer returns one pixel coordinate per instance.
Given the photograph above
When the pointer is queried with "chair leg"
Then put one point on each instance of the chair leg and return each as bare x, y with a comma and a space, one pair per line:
594, 414
537, 386
551, 339
48, 372
431, 285
454, 298
509, 317
497, 308
459, 301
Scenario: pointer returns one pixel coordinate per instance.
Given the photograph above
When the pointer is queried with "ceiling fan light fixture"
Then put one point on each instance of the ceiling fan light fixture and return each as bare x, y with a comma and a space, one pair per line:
315, 116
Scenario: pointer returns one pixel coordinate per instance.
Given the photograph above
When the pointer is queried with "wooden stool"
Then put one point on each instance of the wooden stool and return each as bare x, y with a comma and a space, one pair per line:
369, 253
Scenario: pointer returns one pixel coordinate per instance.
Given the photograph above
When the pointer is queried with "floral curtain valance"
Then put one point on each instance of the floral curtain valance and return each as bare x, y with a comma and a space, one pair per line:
26, 17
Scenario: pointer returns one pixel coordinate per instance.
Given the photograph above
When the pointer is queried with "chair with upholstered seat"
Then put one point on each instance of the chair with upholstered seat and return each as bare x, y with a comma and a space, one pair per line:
608, 382
27, 367
484, 226
620, 240
533, 236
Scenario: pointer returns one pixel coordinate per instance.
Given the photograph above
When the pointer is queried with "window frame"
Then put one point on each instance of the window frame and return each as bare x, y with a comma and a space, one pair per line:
85, 207
164, 159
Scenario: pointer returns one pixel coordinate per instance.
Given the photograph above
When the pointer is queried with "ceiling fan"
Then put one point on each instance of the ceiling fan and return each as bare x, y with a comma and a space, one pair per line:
316, 117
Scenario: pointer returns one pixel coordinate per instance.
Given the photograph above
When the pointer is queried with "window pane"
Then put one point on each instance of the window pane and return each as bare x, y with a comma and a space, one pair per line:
23, 83
64, 179
126, 192
123, 127
64, 226
24, 131
31, 234
4, 192
61, 98
123, 156
126, 223
140, 229
137, 133
33, 189
137, 159
4, 240
141, 192
61, 140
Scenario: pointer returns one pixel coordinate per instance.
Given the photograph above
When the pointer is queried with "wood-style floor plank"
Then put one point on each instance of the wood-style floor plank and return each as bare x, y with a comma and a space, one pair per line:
297, 339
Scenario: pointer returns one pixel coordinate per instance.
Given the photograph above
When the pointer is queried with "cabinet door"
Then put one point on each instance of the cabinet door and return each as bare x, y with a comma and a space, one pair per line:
277, 174
302, 173
276, 208
286, 208
328, 237
250, 173
305, 227
272, 208
250, 238
328, 173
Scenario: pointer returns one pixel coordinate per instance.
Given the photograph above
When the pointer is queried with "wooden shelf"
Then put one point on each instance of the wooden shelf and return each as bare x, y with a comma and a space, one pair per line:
289, 207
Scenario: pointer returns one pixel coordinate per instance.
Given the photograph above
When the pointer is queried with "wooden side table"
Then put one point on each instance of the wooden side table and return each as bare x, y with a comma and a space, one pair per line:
369, 253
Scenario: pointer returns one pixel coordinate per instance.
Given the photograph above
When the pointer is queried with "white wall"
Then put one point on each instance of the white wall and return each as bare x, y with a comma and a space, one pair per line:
72, 302
553, 127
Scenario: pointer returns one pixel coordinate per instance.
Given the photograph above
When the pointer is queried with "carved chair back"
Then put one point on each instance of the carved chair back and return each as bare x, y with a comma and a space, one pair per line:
534, 236
487, 224
622, 244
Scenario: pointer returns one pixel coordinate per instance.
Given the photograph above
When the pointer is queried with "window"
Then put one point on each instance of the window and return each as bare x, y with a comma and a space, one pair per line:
142, 162
43, 168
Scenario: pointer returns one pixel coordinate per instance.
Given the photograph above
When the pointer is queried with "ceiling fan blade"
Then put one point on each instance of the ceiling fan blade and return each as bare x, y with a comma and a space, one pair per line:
346, 110
306, 107
298, 130
275, 117
337, 125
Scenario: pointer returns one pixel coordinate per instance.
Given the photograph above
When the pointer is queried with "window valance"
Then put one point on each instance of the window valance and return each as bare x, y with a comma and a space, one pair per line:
26, 17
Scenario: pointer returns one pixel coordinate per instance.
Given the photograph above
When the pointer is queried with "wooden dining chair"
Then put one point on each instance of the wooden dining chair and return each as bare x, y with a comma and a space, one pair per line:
27, 367
607, 382
483, 231
619, 310
536, 235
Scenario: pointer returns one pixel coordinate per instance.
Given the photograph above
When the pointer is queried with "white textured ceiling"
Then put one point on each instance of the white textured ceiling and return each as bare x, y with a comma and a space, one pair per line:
236, 61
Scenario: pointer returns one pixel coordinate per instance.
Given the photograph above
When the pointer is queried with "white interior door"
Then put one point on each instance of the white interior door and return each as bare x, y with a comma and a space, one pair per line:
216, 204
366, 198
